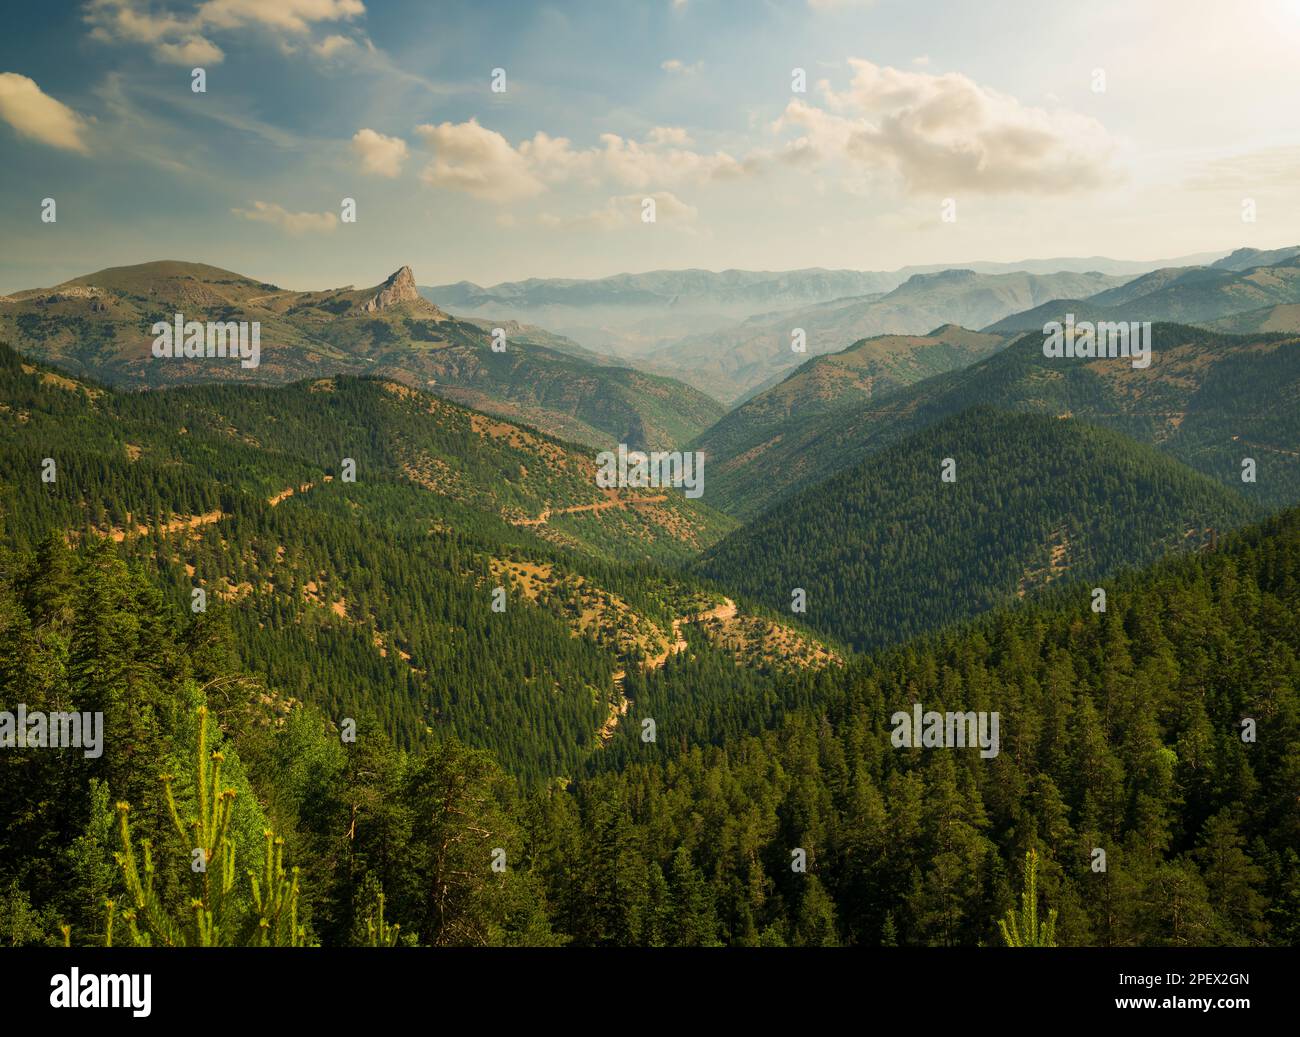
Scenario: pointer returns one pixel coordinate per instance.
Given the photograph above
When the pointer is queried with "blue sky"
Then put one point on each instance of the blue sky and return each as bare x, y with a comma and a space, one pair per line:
993, 105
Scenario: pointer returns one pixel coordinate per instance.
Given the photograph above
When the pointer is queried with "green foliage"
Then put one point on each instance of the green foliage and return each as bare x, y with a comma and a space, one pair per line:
475, 799
1024, 929
888, 550
378, 932
363, 598
1204, 399
217, 915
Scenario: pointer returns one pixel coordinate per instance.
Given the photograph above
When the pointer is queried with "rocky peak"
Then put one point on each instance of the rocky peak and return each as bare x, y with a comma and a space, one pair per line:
397, 289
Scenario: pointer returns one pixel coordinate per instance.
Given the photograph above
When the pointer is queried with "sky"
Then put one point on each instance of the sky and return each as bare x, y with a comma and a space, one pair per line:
924, 132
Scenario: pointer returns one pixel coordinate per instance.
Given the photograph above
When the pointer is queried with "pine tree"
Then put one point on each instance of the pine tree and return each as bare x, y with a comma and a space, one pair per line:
217, 914
1026, 930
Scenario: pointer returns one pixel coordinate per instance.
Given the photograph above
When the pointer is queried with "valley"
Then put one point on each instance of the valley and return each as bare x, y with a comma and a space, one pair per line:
440, 566
513, 485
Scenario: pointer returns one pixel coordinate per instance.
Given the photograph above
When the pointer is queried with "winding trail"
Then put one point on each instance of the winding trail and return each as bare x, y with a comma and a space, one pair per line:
725, 611
604, 505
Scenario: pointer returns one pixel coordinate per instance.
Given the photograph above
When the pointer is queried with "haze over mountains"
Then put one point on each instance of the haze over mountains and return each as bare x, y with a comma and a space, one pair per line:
729, 333
740, 359
1245, 289
632, 314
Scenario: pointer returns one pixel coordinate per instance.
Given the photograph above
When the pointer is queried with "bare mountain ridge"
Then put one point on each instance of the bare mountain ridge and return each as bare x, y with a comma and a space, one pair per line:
98, 326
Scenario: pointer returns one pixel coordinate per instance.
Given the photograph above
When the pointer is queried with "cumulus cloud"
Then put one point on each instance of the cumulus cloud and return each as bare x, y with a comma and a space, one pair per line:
481, 162
380, 155
949, 133
192, 51
478, 161
669, 135
291, 15
644, 165
183, 40
291, 222
332, 45
35, 114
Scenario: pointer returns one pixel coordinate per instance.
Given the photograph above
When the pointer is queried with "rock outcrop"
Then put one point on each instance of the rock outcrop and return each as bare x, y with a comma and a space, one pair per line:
397, 289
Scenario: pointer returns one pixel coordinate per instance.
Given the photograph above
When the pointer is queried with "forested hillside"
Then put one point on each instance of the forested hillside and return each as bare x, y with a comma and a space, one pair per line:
1123, 732
822, 385
379, 595
1207, 399
1247, 281
892, 548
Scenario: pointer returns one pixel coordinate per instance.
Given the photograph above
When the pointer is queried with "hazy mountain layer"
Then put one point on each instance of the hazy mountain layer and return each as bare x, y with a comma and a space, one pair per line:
746, 355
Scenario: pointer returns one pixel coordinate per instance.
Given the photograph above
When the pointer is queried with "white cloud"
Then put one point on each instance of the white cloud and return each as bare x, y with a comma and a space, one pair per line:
291, 15
332, 45
646, 165
34, 113
470, 158
193, 51
182, 40
380, 155
291, 222
669, 135
949, 133
676, 66
481, 162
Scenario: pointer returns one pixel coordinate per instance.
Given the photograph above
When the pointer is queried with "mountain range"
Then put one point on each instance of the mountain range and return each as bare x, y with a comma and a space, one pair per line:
741, 359
99, 326
1207, 399
1241, 292
632, 314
